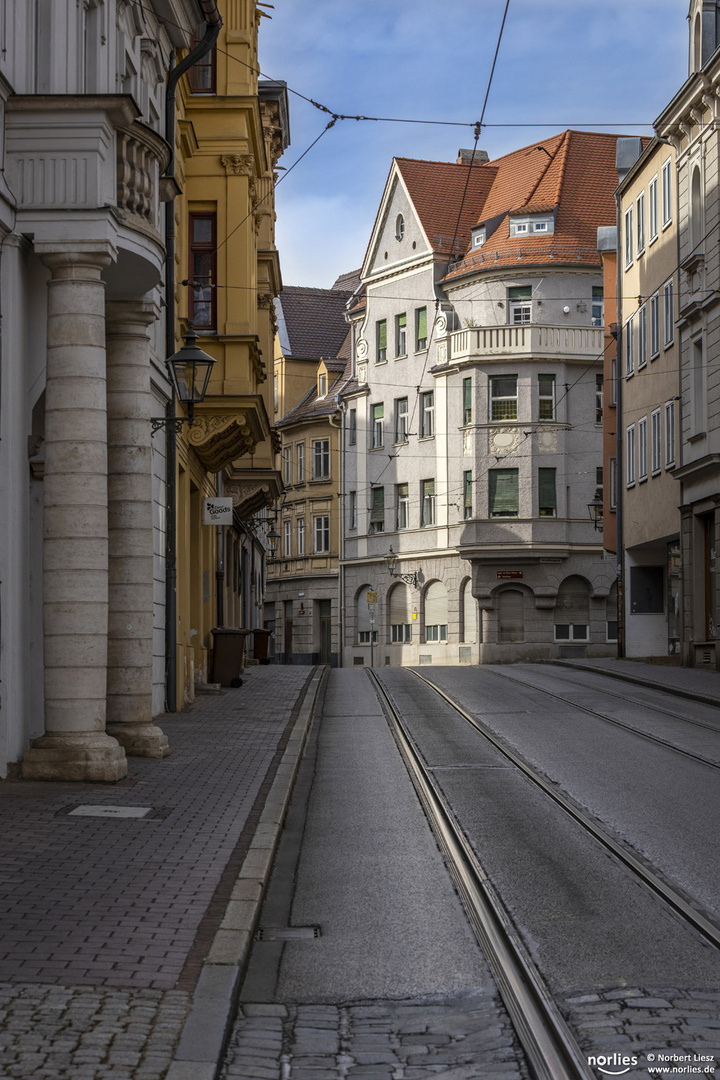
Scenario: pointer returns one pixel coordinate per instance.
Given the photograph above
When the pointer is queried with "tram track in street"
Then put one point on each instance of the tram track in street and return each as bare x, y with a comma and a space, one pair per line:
550, 1046
709, 762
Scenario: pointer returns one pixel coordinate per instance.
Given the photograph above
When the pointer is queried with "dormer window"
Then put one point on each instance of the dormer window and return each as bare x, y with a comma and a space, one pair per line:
399, 227
478, 236
322, 385
532, 225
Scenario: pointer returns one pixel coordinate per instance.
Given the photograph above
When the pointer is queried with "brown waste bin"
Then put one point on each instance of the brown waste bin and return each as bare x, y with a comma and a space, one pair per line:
228, 650
261, 641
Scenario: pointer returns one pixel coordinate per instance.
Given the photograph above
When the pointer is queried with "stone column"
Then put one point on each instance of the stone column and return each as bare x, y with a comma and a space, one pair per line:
75, 746
130, 532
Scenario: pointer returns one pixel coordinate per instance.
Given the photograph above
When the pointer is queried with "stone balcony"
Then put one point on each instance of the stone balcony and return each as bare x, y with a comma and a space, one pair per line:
522, 341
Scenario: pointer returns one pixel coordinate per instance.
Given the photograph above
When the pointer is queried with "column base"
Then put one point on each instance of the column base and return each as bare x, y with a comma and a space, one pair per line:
76, 757
143, 739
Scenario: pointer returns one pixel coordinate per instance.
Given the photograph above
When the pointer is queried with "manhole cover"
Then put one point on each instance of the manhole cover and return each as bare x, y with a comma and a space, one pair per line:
287, 933
111, 811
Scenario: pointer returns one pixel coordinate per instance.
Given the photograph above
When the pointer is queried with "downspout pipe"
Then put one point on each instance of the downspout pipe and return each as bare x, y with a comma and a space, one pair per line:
213, 22
619, 439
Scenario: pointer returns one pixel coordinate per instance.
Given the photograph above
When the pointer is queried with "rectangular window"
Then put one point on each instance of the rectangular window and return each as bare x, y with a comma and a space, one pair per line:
654, 325
401, 420
667, 193
427, 496
322, 533
287, 543
640, 214
546, 397
352, 510
421, 328
402, 499
628, 237
629, 347
438, 632
503, 397
287, 465
378, 414
401, 632
301, 536
300, 454
613, 381
520, 304
642, 448
364, 637
202, 271
321, 459
669, 434
352, 427
669, 310
467, 495
377, 510
642, 337
613, 483
381, 338
275, 393
653, 209
547, 494
630, 455
599, 385
467, 401
503, 492
571, 632
201, 75
427, 414
322, 384
655, 451
598, 306
401, 335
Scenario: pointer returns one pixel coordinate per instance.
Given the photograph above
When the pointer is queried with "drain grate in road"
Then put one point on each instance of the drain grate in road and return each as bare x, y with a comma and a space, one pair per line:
287, 933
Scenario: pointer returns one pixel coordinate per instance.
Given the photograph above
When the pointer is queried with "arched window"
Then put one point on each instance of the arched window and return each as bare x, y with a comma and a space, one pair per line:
468, 623
696, 209
697, 43
400, 614
572, 610
364, 625
436, 612
399, 227
611, 613
511, 621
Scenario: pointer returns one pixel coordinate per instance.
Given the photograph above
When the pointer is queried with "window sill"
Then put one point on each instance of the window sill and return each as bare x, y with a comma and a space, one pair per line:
696, 437
426, 438
319, 480
402, 442
401, 356
374, 449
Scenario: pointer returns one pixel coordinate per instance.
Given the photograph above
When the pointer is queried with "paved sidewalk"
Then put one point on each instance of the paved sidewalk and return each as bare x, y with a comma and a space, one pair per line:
106, 922
698, 683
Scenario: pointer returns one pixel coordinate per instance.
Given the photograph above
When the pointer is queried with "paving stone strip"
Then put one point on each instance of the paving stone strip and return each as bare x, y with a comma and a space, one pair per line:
464, 1038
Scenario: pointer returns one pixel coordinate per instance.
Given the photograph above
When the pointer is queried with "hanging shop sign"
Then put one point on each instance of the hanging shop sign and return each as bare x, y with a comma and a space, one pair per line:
218, 511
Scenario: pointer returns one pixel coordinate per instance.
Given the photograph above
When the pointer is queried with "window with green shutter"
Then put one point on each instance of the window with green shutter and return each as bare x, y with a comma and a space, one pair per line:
467, 495
421, 328
401, 335
378, 412
467, 401
547, 492
377, 512
503, 492
381, 330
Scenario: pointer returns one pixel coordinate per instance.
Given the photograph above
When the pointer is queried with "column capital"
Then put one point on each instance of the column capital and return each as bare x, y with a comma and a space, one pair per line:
65, 257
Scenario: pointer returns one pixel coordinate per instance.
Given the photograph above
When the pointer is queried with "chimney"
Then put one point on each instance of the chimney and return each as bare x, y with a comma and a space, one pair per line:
628, 150
464, 157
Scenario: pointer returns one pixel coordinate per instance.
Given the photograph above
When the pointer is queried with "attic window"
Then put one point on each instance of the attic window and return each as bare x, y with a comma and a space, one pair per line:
322, 385
540, 225
478, 236
399, 227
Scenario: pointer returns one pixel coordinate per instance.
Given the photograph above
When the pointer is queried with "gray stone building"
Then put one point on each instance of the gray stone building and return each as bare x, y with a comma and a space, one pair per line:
473, 440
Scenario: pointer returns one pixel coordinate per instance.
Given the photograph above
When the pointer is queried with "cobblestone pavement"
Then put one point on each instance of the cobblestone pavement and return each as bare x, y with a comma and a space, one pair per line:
463, 1038
104, 922
679, 1028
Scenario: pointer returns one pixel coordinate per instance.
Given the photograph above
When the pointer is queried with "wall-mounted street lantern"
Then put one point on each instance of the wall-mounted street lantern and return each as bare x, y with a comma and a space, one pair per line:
595, 510
272, 538
189, 370
415, 579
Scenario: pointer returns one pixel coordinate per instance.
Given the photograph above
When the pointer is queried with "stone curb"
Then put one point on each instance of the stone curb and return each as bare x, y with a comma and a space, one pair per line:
678, 691
202, 1041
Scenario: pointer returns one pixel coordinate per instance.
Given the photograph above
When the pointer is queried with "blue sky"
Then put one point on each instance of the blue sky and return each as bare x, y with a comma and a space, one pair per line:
566, 63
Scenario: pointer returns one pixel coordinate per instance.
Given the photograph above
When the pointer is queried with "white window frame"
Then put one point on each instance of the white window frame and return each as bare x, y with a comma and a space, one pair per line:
612, 462
301, 536
352, 427
287, 465
402, 506
669, 312
629, 347
427, 501
378, 425
666, 173
655, 442
300, 458
653, 209
654, 326
322, 384
287, 540
642, 449
400, 336
498, 398
321, 457
402, 420
352, 510
321, 533
640, 222
629, 237
642, 337
427, 414
576, 632
630, 455
546, 397
669, 434
401, 633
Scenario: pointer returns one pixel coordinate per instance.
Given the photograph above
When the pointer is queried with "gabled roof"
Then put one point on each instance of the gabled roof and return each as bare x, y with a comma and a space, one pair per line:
311, 322
436, 189
572, 174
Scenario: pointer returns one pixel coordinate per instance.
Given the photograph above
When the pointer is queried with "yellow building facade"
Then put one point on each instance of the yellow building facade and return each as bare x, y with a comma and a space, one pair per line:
230, 133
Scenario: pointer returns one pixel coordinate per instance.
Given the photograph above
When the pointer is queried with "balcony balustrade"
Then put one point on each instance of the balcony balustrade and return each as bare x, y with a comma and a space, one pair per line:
526, 340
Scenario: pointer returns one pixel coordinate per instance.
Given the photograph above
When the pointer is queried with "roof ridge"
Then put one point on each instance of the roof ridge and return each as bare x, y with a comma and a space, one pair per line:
551, 158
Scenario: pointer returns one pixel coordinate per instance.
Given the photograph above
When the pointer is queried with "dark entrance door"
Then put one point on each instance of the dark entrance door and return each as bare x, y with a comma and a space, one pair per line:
325, 631
288, 631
